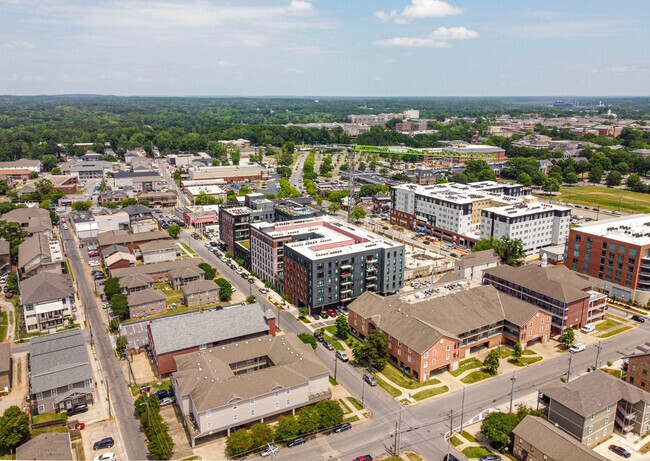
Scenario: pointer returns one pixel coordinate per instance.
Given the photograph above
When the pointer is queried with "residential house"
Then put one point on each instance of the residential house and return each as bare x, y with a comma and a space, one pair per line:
591, 407
119, 260
5, 257
200, 293
471, 266
49, 446
638, 368
159, 271
33, 220
183, 275
146, 302
160, 250
61, 375
246, 382
111, 196
84, 225
112, 249
5, 367
136, 282
215, 328
535, 439
141, 219
39, 254
47, 300
128, 239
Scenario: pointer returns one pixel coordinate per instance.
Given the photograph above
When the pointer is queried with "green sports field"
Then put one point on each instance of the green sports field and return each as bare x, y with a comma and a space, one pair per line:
608, 199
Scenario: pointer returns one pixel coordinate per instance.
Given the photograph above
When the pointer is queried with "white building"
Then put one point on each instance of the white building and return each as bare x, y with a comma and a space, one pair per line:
84, 225
47, 300
159, 251
471, 266
112, 221
536, 225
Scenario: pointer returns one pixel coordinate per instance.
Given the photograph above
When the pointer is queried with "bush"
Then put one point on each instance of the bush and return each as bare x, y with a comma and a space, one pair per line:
287, 429
497, 427
308, 339
225, 289
261, 434
330, 414
239, 442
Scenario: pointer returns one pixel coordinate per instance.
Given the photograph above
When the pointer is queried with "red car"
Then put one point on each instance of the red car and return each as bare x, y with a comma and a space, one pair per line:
363, 458
331, 313
92, 254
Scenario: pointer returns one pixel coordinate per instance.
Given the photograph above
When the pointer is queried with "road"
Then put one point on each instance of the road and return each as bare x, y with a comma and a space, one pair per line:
296, 175
120, 395
171, 184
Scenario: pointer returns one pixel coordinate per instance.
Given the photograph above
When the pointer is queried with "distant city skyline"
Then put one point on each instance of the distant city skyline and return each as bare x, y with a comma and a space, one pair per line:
382, 48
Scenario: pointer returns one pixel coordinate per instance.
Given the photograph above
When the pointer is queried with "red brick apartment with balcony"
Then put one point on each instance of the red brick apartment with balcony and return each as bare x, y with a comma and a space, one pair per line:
426, 336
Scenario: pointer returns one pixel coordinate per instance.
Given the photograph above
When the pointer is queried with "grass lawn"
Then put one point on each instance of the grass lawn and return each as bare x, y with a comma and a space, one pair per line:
391, 372
165, 385
333, 382
616, 373
51, 416
387, 387
465, 365
476, 452
392, 458
3, 325
561, 348
523, 361
529, 352
607, 324
476, 376
345, 408
469, 436
414, 457
337, 345
455, 441
615, 332
356, 403
80, 192
615, 317
49, 430
504, 352
188, 249
425, 394
645, 448
351, 419
605, 197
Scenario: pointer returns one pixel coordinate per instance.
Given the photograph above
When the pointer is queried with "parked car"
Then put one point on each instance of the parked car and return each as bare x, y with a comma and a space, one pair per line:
331, 312
328, 345
163, 393
244, 275
342, 356
588, 328
105, 457
370, 379
620, 451
342, 427
108, 442
490, 458
93, 254
77, 409
577, 347
638, 318
251, 280
263, 290
323, 314
363, 458
270, 450
297, 441
9, 295
319, 336
449, 457
166, 401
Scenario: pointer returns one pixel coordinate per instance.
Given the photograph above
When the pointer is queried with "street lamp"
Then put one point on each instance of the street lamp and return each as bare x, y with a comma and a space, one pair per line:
363, 387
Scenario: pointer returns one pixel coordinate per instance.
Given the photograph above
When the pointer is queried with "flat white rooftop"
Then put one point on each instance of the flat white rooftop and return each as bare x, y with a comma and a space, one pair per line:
466, 193
524, 209
631, 229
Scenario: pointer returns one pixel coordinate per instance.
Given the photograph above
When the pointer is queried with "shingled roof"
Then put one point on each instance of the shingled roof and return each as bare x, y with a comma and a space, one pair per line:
477, 258
45, 286
122, 237
199, 286
46, 447
145, 296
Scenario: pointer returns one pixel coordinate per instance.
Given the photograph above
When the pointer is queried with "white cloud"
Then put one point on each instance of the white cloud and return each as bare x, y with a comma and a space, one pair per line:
293, 70
301, 8
621, 69
18, 45
436, 39
420, 9
224, 64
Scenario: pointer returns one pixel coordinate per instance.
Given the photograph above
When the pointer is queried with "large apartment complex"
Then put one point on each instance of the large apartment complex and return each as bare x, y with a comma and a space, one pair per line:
615, 254
323, 262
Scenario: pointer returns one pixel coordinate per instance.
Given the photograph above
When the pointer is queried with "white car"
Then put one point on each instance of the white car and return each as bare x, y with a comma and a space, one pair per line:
105, 457
65, 227
577, 347
233, 288
93, 263
268, 451
588, 328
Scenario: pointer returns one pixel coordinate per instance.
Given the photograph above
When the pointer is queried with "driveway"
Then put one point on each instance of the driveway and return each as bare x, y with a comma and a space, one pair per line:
19, 383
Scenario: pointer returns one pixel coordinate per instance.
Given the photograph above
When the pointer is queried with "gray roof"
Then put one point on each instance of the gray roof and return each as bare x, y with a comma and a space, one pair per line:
592, 392
420, 325
136, 211
81, 216
156, 268
5, 357
36, 219
157, 245
109, 250
185, 272
187, 331
557, 282
553, 441
123, 237
135, 174
45, 286
135, 280
478, 258
4, 247
37, 244
209, 381
144, 297
198, 286
55, 446
58, 359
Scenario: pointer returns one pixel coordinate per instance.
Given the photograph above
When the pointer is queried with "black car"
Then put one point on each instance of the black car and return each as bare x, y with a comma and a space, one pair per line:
108, 442
490, 458
77, 409
251, 281
297, 441
620, 451
324, 314
164, 393
214, 244
342, 427
100, 277
244, 275
319, 336
450, 457
638, 318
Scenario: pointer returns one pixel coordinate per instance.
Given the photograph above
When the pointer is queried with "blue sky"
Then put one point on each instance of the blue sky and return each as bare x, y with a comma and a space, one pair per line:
325, 47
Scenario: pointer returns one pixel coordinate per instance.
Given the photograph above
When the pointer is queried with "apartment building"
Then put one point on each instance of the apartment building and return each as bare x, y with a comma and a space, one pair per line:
138, 181
47, 300
88, 170
32, 220
451, 212
234, 221
146, 302
537, 225
425, 336
220, 388
593, 406
471, 266
40, 253
614, 254
130, 240
638, 367
234, 173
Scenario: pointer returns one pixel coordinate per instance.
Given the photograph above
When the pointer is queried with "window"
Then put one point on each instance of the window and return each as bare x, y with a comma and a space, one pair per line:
288, 390
606, 419
253, 401
277, 405
53, 392
203, 346
621, 249
425, 364
234, 406
591, 429
253, 412
632, 252
208, 413
447, 357
604, 432
609, 407
409, 359
235, 417
589, 441
70, 386
288, 402
399, 351
209, 425
41, 409
277, 393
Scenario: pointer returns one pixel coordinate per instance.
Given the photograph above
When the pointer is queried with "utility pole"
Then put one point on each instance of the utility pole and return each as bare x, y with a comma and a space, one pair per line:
512, 388
398, 430
363, 389
451, 432
108, 397
396, 426
336, 364
568, 373
462, 411
599, 347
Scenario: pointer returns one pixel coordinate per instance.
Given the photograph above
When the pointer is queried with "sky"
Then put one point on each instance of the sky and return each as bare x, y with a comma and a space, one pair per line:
391, 48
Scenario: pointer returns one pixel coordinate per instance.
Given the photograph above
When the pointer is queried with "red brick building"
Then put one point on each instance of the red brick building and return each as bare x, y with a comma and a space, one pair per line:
426, 336
638, 368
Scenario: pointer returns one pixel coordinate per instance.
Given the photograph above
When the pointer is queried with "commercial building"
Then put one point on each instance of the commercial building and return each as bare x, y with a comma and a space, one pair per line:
141, 219
568, 298
159, 199
615, 254
47, 300
61, 375
235, 173
593, 406
425, 336
88, 170
451, 212
111, 196
200, 331
471, 266
84, 225
22, 164
219, 388
537, 225
138, 181
323, 262
112, 220
213, 191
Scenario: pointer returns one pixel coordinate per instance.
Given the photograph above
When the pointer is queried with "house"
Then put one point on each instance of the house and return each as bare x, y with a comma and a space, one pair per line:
61, 375
5, 256
112, 249
47, 300
5, 367
33, 220
424, 336
146, 302
567, 296
200, 293
592, 406
130, 240
471, 266
136, 282
638, 368
205, 330
40, 254
141, 219
46, 447
159, 199
183, 275
119, 260
159, 271
537, 439
160, 250
246, 382
84, 225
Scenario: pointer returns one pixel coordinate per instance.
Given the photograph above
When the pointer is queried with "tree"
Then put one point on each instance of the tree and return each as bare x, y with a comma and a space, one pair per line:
551, 185
375, 350
14, 427
111, 205
120, 344
517, 352
130, 201
33, 175
239, 442
208, 270
308, 339
15, 234
358, 213
174, 231
614, 178
113, 326
45, 205
120, 306
634, 183
303, 311
112, 287
596, 174
524, 179
261, 434
12, 282
235, 155
330, 413
49, 162
287, 429
342, 327
56, 171
250, 299
82, 206
510, 251
225, 289
622, 168
308, 420
362, 166
286, 157
491, 362
571, 178
160, 445
244, 190
497, 427
334, 207
485, 244
358, 352
568, 337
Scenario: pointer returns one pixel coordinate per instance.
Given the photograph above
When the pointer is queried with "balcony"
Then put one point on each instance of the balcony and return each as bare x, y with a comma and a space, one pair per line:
321, 395
371, 277
346, 266
347, 290
371, 285
371, 261
346, 274
347, 282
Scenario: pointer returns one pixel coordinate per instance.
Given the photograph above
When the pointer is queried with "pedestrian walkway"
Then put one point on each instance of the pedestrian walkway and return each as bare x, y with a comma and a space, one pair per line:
7, 307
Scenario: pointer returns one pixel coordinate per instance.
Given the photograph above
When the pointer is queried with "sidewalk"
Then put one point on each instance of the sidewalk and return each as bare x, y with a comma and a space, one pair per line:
11, 320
